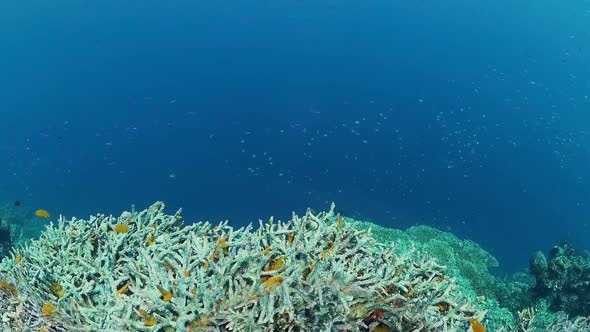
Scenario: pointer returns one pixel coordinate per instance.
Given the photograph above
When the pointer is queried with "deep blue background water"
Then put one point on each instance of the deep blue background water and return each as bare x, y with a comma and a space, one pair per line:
469, 116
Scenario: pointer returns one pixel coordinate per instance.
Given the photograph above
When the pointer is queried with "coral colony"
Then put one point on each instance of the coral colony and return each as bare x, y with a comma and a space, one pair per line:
147, 271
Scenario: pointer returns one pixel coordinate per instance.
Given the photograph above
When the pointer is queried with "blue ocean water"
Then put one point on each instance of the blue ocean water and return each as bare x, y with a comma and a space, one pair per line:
472, 117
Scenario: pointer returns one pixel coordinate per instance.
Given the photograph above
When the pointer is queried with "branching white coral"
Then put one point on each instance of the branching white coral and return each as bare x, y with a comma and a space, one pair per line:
144, 271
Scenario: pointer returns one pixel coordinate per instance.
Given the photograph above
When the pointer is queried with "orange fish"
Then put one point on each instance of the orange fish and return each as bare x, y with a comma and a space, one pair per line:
48, 309
42, 213
476, 326
120, 228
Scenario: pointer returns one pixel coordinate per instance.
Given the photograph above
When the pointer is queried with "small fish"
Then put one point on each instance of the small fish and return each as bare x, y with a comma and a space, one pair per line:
150, 240
8, 289
476, 325
122, 290
166, 295
57, 290
121, 228
42, 213
48, 309
16, 203
273, 282
150, 321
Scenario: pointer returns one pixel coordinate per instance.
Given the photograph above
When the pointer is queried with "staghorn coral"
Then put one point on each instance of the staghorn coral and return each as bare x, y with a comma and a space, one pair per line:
19, 312
539, 319
468, 264
313, 272
464, 259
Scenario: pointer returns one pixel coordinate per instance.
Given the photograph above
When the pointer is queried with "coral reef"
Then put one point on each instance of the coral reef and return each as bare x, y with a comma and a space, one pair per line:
463, 259
540, 319
513, 303
563, 279
146, 271
512, 292
553, 296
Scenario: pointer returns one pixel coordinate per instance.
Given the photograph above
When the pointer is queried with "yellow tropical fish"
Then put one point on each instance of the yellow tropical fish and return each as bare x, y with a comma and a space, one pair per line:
48, 309
121, 228
42, 213
476, 325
